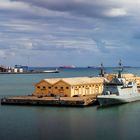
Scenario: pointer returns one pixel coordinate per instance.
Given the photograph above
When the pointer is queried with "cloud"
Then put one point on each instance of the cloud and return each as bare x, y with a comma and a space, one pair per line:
92, 9
6, 54
6, 4
115, 12
48, 29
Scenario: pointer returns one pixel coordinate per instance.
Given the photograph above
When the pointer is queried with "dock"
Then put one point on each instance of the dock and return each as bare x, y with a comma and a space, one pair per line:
29, 72
49, 101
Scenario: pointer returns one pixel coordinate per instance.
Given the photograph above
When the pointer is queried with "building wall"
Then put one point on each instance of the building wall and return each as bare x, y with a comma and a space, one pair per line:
61, 89
43, 88
87, 89
138, 81
128, 77
109, 77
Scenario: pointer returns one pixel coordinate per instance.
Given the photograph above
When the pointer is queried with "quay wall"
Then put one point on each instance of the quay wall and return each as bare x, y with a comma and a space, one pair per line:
25, 100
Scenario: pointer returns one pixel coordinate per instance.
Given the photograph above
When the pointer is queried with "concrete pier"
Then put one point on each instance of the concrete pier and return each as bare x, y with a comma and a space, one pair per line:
49, 101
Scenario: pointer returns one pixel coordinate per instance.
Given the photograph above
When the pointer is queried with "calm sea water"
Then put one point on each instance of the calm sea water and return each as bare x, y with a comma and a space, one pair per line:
64, 123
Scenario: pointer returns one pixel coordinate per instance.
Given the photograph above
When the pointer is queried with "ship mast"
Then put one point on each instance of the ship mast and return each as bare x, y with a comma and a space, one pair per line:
102, 73
120, 69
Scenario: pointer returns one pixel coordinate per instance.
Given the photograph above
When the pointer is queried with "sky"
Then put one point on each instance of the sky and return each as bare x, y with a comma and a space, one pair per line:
69, 32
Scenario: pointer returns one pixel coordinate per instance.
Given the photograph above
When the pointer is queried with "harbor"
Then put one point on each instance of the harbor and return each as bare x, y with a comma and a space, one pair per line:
59, 72
49, 101
31, 72
76, 91
105, 89
64, 119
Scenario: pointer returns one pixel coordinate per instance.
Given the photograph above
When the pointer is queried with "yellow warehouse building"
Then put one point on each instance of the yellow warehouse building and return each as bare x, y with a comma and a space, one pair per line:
69, 87
128, 76
77, 86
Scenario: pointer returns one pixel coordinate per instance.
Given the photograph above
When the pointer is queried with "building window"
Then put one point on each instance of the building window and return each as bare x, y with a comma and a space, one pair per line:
67, 87
43, 88
38, 86
49, 87
61, 87
55, 87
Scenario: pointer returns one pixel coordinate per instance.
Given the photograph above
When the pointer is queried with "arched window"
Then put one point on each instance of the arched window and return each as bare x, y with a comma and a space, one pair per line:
96, 89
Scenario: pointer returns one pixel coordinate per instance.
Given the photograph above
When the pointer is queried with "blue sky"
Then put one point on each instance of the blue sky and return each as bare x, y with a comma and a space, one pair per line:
69, 32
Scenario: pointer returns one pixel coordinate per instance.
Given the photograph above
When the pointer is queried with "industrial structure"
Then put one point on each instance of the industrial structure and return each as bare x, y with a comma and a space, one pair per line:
15, 69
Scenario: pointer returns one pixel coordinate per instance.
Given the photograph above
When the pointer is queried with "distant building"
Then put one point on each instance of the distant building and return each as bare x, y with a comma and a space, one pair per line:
20, 67
128, 76
3, 69
69, 87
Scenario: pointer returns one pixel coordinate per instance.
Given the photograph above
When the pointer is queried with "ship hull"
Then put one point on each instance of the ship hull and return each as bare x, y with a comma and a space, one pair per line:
108, 100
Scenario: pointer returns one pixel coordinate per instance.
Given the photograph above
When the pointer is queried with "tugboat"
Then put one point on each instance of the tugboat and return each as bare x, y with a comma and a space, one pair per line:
118, 91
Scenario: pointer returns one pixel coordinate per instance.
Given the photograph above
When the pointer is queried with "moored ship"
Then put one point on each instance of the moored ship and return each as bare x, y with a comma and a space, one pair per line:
118, 91
67, 67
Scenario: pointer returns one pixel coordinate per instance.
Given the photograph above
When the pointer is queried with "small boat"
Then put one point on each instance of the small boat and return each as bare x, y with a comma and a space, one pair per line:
118, 91
51, 71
